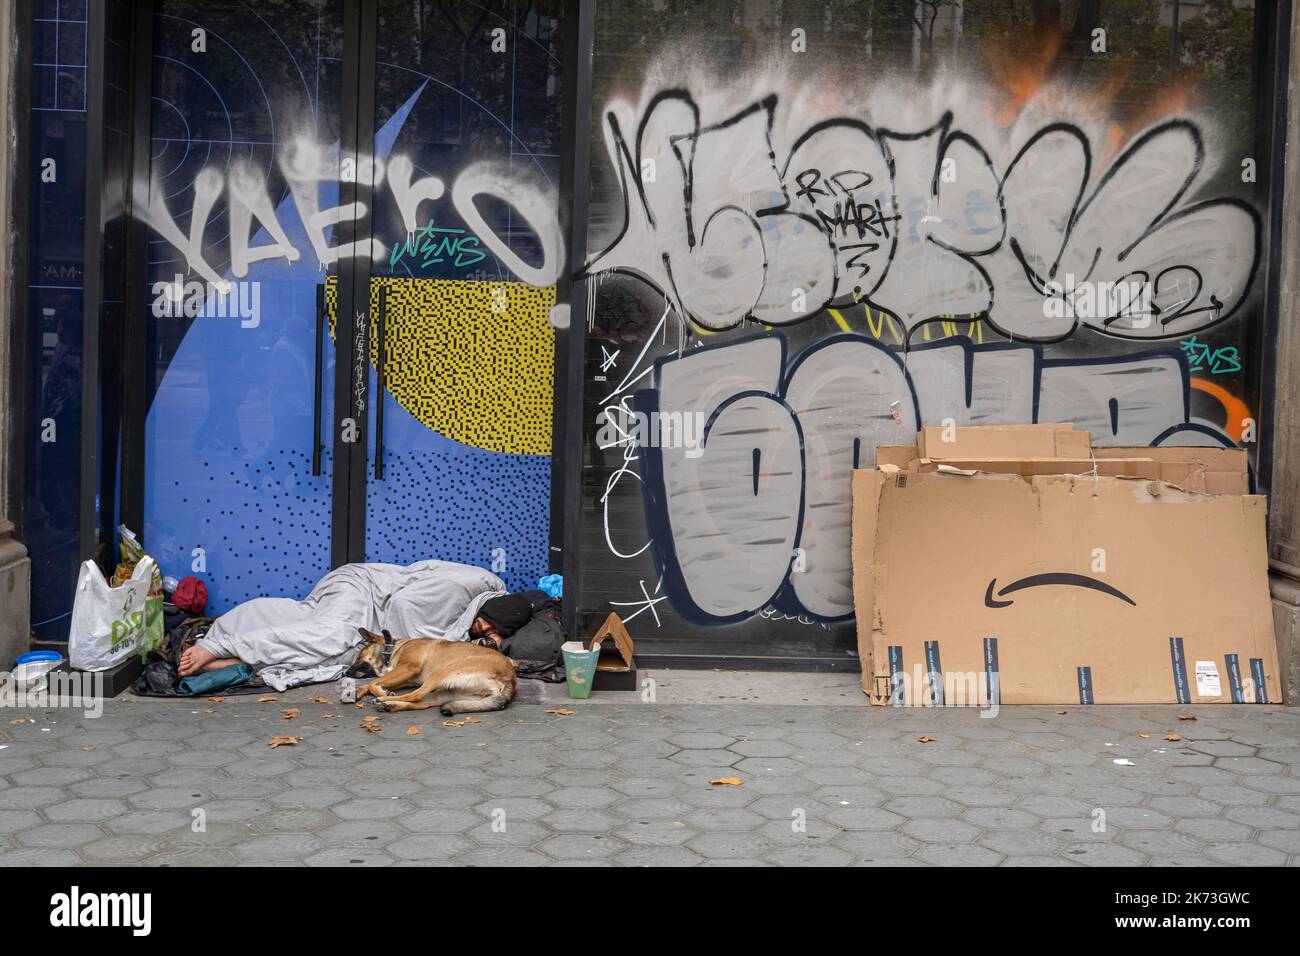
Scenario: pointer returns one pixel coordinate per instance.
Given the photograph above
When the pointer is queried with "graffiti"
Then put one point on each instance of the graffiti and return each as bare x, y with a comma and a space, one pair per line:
1202, 358
306, 166
433, 244
760, 517
733, 225
950, 252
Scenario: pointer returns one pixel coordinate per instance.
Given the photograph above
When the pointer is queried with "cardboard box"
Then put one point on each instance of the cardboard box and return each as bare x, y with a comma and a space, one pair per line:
940, 443
1053, 589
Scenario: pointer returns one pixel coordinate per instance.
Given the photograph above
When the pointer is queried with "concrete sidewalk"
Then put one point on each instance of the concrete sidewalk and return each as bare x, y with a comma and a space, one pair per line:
825, 779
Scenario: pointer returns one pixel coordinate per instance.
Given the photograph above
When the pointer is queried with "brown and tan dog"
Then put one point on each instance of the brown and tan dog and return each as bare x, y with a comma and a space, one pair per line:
457, 676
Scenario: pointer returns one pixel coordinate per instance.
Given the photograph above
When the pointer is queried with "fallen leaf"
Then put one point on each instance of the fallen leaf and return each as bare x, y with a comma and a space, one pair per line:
283, 742
329, 715
266, 698
472, 720
358, 705
727, 782
926, 740
1186, 716
318, 700
562, 712
88, 750
1145, 736
215, 700
1060, 712
453, 723
371, 724
412, 731
20, 720
1172, 737
290, 712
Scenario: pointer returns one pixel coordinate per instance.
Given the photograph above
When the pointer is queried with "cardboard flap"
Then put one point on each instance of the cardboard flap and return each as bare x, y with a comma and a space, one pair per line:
941, 443
617, 657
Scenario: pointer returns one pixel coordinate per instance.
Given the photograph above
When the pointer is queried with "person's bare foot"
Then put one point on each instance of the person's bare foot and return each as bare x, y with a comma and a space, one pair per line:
196, 660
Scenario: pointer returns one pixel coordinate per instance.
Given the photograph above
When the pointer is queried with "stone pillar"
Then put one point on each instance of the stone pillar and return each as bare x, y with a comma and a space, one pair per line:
1284, 504
15, 567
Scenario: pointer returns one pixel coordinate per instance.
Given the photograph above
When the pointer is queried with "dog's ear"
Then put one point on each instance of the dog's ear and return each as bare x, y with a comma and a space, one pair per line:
370, 636
388, 638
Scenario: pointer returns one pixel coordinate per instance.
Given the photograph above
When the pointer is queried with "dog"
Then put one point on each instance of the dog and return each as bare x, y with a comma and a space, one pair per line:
456, 676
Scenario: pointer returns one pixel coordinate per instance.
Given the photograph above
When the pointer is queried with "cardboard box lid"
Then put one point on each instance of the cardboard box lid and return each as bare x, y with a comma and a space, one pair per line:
1122, 578
941, 443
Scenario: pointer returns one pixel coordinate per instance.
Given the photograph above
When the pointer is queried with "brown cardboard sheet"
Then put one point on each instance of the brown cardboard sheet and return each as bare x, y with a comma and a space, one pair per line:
1091, 590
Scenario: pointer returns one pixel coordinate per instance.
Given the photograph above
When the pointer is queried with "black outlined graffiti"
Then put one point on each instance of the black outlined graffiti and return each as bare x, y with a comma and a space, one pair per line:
923, 223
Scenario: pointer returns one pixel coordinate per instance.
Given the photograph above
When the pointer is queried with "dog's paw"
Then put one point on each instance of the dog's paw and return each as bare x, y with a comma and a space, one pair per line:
383, 703
447, 711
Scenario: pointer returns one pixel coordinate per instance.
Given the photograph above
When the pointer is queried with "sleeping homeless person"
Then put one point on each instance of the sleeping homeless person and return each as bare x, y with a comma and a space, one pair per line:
524, 626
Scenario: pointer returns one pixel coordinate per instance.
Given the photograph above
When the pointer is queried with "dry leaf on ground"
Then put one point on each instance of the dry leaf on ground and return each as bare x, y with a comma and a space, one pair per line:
267, 699
727, 782
215, 700
561, 711
318, 700
1172, 737
1145, 736
453, 723
925, 740
1186, 716
472, 720
371, 724
283, 742
290, 712
412, 731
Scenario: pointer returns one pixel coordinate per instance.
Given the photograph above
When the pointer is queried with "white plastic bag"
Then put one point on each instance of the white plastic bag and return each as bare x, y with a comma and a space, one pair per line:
108, 623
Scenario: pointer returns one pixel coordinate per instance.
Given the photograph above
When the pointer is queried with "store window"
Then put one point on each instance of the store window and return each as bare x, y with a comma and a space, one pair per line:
816, 226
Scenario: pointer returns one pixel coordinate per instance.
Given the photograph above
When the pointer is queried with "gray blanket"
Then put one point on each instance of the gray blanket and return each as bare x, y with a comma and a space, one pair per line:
290, 642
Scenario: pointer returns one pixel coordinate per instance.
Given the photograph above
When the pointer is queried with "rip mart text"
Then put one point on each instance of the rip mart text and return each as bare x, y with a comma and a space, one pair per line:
64, 689
226, 300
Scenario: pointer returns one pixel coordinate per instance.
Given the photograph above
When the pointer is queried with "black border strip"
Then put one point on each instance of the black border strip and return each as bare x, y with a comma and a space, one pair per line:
1232, 664
1086, 689
1260, 680
1178, 662
992, 671
92, 278
1271, 81
577, 51
22, 371
933, 669
135, 338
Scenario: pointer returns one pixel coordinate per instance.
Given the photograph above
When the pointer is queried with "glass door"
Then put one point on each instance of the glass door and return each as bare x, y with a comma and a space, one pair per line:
242, 202
466, 251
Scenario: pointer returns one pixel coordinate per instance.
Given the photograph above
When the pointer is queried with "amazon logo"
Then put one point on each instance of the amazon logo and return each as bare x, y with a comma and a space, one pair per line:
1051, 579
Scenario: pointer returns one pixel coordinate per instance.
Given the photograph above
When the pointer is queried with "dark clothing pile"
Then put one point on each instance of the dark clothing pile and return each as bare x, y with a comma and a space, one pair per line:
160, 677
531, 630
